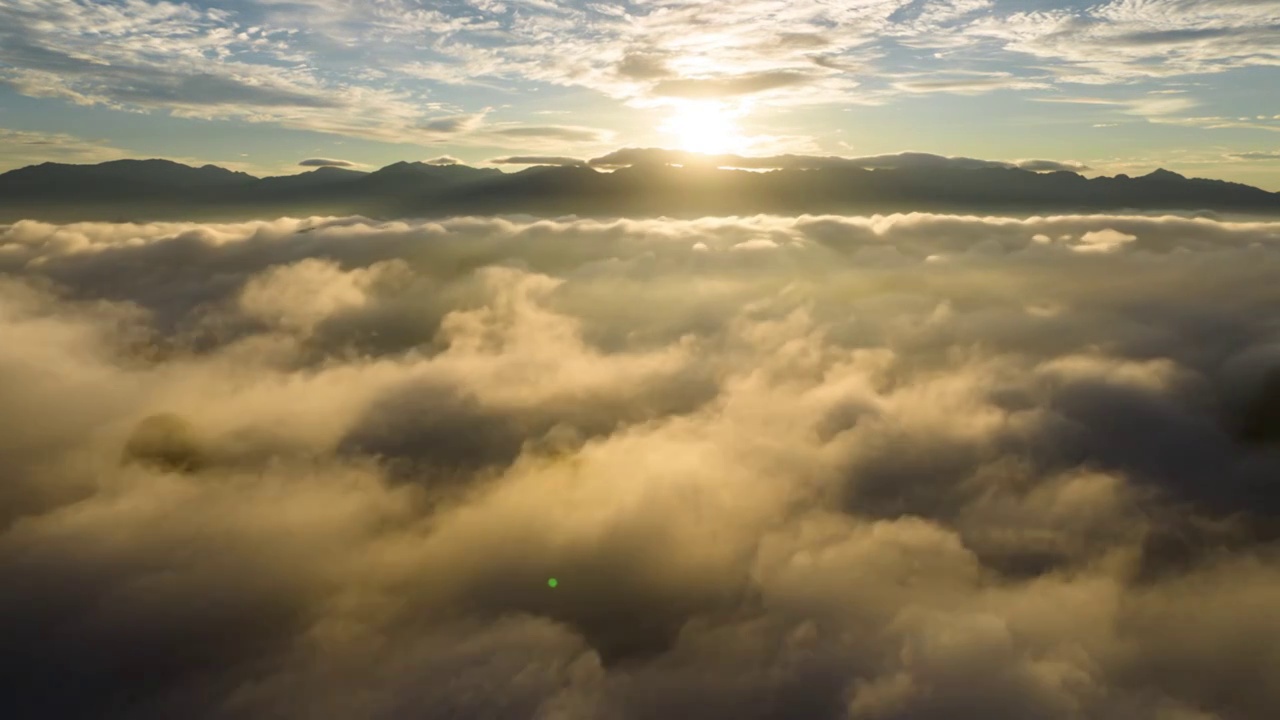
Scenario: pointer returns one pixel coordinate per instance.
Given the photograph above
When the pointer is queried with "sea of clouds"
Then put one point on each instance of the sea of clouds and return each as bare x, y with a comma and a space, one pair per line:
916, 467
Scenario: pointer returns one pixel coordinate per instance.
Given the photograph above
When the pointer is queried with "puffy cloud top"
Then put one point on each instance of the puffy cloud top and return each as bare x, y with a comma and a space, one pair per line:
891, 467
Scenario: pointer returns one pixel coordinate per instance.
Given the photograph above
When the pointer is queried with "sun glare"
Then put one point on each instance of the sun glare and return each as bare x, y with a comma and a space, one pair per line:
705, 127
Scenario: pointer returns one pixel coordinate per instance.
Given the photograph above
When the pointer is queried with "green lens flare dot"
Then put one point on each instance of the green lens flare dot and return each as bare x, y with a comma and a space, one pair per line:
552, 582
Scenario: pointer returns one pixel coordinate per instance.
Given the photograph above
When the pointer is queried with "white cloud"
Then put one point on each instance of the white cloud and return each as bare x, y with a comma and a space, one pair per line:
191, 62
1105, 240
1126, 40
833, 477
327, 162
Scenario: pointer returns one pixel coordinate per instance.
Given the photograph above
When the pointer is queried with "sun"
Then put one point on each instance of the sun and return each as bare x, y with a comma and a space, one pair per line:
705, 127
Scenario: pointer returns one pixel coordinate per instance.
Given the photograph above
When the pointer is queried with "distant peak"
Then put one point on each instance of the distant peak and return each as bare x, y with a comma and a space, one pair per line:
421, 169
556, 171
138, 162
159, 163
405, 166
1162, 174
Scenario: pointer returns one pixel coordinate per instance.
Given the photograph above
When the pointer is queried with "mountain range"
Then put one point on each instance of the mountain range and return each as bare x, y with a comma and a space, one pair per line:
141, 190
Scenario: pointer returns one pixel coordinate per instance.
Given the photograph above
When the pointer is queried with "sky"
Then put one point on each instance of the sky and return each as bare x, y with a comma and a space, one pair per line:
263, 85
897, 466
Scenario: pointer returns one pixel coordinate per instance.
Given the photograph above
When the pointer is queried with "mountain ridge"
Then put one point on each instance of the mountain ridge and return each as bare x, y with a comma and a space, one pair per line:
144, 189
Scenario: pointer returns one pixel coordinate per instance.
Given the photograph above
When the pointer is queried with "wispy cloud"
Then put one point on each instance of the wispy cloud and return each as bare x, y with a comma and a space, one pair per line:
1263, 156
1126, 40
970, 83
1150, 106
22, 147
538, 160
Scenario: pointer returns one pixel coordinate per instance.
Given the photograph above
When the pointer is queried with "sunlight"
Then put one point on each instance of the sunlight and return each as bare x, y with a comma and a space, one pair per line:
705, 127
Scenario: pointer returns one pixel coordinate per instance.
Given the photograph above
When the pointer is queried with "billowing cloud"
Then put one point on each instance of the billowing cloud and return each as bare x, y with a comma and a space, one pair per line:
891, 467
326, 162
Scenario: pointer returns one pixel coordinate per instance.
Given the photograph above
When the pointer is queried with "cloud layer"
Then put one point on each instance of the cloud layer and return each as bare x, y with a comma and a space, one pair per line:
901, 467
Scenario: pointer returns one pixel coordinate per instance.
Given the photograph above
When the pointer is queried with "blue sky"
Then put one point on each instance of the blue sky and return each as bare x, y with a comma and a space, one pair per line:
260, 85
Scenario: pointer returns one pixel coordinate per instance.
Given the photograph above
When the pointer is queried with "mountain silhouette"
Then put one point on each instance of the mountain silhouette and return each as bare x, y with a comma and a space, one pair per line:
116, 177
140, 190
315, 178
